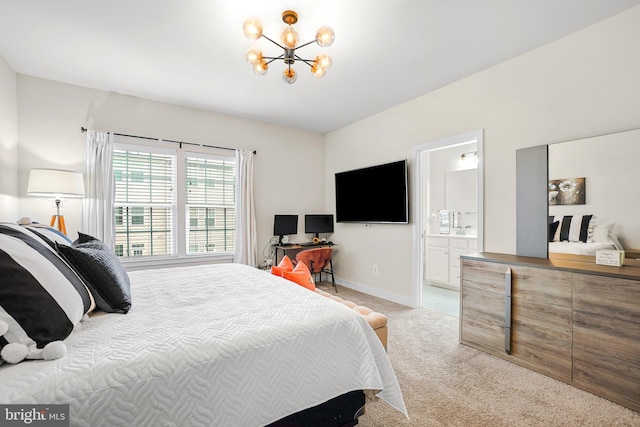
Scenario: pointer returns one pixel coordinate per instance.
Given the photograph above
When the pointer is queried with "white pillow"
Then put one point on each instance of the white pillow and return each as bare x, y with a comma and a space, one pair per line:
602, 233
616, 242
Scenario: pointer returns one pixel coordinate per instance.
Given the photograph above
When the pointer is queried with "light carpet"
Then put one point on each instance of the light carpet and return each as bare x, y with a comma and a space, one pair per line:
446, 383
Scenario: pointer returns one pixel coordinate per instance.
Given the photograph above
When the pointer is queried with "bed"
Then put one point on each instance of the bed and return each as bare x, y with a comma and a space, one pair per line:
213, 345
581, 235
579, 248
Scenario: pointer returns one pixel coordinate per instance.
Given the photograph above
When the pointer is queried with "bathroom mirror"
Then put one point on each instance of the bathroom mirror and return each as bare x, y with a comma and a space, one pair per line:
461, 192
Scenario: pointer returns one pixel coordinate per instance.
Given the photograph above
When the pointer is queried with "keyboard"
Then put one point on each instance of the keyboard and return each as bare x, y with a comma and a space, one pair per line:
316, 244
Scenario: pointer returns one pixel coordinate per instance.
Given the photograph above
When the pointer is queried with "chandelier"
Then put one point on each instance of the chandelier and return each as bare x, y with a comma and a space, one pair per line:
289, 37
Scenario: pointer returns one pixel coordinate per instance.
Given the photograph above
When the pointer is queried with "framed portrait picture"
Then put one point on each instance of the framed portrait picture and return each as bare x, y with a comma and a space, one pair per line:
567, 191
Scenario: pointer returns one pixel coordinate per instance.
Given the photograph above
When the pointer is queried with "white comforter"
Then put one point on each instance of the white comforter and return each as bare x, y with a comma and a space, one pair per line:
216, 345
579, 248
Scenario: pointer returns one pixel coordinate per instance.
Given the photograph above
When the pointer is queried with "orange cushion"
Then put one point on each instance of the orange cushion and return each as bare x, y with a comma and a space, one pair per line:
301, 275
284, 266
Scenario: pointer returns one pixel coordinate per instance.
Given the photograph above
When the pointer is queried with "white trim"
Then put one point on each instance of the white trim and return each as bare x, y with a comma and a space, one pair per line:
374, 292
417, 197
133, 263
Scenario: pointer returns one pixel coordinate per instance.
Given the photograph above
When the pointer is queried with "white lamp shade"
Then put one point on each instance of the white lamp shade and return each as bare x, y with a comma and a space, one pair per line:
55, 183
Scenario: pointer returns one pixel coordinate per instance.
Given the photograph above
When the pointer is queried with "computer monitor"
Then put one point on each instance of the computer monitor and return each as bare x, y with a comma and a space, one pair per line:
284, 225
317, 224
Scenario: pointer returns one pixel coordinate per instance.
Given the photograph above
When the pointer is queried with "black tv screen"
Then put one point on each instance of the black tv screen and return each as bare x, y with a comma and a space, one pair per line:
284, 225
317, 224
373, 194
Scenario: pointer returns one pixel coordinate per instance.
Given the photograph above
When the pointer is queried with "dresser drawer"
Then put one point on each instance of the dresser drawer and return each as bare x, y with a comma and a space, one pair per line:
607, 377
486, 276
607, 296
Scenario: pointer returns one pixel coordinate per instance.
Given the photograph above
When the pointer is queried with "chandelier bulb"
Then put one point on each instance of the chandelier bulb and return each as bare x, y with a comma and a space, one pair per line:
252, 29
318, 72
323, 61
289, 37
260, 68
290, 76
325, 36
253, 55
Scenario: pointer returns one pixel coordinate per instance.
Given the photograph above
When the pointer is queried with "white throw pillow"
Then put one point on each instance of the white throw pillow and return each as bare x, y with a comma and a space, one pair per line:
602, 232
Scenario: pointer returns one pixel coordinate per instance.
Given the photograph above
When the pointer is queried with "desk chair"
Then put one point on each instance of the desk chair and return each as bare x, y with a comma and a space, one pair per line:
319, 261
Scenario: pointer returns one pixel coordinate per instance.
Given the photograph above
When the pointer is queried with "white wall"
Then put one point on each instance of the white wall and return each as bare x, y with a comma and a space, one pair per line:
8, 144
289, 166
582, 85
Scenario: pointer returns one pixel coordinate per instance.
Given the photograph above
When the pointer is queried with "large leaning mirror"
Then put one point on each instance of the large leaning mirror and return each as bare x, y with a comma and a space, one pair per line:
592, 194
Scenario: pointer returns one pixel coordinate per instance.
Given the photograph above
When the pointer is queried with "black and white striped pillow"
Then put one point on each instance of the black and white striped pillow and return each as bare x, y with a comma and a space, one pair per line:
41, 298
49, 234
572, 228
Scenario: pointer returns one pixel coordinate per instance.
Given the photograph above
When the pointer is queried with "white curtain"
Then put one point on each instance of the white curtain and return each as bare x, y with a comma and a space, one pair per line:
97, 213
246, 240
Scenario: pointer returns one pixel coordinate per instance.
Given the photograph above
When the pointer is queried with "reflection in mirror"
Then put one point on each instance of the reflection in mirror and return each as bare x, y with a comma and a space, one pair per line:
461, 198
461, 190
610, 166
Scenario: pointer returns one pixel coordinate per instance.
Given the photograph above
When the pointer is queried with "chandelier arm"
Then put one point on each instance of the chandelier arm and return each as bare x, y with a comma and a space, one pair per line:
274, 42
306, 44
309, 62
273, 58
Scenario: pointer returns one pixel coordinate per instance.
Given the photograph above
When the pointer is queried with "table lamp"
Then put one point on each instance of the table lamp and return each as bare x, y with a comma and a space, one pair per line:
56, 184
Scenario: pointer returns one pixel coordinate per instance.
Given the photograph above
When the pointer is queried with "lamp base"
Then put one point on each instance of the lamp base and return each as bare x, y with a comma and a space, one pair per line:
61, 226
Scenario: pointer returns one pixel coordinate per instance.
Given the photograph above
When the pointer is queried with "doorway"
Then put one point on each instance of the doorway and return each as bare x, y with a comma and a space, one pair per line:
448, 210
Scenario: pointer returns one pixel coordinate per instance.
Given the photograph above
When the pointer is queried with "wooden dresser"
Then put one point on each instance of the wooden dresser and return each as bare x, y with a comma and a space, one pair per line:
574, 321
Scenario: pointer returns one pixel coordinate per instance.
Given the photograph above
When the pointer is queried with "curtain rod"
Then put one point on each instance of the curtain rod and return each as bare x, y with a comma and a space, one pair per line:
83, 129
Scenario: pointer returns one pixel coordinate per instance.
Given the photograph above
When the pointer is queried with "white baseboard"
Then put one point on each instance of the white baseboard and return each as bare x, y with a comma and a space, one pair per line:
375, 292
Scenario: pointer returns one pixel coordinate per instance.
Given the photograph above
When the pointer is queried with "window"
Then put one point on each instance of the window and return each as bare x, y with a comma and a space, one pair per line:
119, 213
137, 215
138, 249
172, 203
210, 203
145, 202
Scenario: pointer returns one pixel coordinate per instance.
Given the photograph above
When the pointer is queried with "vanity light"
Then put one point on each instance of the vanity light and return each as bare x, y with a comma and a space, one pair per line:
468, 160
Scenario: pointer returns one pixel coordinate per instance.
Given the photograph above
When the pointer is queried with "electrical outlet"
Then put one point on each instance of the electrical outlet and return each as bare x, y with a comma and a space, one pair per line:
375, 269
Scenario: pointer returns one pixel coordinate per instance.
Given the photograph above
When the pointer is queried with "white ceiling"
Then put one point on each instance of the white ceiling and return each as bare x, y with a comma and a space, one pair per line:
191, 52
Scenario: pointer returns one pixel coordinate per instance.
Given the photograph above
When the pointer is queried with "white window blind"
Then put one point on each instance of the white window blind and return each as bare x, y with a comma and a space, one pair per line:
145, 202
210, 203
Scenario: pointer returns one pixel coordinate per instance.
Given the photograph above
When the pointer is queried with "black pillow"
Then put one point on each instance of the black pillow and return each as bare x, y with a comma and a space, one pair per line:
101, 270
553, 227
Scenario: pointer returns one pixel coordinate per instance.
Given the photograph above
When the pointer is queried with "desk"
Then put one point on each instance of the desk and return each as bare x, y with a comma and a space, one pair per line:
298, 247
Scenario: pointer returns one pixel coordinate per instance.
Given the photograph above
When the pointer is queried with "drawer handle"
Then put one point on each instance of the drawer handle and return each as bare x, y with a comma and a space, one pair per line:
507, 311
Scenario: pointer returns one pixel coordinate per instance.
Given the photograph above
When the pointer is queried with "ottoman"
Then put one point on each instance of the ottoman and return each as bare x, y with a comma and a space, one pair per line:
377, 321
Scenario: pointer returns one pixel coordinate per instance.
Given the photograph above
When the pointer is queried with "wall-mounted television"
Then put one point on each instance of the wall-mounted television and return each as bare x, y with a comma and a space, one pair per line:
375, 194
318, 223
284, 225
